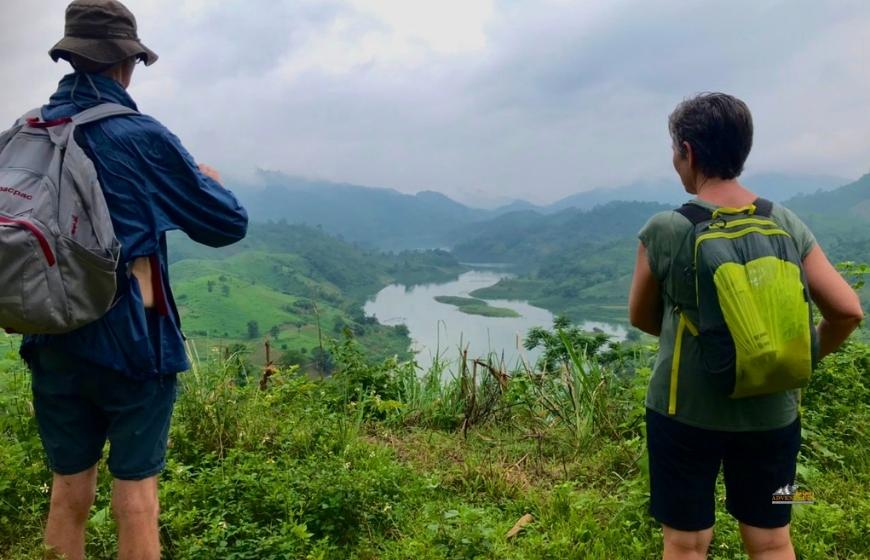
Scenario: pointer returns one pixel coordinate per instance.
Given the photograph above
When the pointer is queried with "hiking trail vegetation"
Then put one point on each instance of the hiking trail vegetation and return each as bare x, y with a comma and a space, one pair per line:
383, 461
344, 448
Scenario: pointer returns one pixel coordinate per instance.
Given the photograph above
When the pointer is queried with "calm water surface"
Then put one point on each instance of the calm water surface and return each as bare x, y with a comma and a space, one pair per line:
441, 328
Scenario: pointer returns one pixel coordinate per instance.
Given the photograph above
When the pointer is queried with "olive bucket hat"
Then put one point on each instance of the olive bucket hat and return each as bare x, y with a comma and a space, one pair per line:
102, 31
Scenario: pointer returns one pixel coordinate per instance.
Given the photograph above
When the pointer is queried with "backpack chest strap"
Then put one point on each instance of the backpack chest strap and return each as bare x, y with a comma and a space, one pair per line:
697, 214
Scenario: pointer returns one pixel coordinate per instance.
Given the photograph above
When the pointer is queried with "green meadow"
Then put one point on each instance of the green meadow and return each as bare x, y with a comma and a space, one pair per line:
382, 461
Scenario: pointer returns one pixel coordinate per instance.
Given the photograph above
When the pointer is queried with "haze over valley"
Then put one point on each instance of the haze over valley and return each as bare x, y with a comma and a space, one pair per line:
328, 260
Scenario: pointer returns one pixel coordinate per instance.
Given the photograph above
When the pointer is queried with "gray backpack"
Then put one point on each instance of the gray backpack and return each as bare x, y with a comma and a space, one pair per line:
58, 248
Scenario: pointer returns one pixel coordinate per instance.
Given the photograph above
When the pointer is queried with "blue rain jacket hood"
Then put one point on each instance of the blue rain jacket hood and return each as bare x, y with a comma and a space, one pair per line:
152, 185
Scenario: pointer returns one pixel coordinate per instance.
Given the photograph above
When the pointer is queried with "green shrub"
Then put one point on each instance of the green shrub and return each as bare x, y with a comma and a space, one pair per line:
381, 462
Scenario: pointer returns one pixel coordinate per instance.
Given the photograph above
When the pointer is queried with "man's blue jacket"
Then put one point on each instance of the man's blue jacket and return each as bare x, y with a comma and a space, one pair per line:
152, 185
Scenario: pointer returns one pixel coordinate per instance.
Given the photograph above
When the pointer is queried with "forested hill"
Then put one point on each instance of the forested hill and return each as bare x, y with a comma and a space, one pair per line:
850, 201
355, 270
531, 238
293, 283
391, 220
576, 262
320, 257
579, 262
840, 219
381, 218
775, 186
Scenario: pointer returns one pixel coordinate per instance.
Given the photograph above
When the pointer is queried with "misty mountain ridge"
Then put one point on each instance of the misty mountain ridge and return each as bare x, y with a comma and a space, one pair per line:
387, 219
774, 186
375, 217
528, 236
849, 200
579, 262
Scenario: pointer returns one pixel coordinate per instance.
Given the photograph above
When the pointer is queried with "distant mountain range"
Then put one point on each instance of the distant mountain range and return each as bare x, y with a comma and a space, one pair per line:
569, 258
775, 186
382, 218
387, 219
839, 218
852, 200
526, 238
579, 261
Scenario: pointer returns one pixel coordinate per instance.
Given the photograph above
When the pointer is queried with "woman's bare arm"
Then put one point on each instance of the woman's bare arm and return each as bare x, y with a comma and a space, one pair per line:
837, 301
644, 300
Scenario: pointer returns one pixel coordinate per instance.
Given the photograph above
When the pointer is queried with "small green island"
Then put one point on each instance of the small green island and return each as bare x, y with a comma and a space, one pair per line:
474, 306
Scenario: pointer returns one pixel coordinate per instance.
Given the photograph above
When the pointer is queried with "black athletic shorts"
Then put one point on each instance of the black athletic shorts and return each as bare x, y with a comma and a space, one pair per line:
684, 463
79, 406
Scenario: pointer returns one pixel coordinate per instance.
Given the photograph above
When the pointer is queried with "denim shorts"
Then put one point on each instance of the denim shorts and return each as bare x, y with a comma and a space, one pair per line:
79, 406
684, 462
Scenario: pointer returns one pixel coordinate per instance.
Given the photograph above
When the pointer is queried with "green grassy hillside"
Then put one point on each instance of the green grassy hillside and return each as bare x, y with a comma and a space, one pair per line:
529, 238
227, 314
379, 463
295, 285
587, 282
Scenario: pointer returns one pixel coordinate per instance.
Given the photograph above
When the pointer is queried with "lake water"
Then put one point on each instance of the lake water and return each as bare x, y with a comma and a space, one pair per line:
441, 328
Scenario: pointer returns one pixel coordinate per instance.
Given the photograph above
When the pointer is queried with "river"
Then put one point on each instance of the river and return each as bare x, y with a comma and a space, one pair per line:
438, 329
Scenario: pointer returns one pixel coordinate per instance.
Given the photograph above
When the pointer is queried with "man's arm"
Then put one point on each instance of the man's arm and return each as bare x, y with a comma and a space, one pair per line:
190, 197
838, 302
645, 301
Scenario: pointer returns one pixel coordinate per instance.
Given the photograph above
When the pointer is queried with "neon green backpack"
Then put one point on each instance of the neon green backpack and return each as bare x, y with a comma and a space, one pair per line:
754, 325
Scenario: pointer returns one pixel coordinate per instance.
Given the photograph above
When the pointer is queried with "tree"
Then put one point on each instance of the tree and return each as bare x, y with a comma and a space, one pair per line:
253, 329
210, 285
292, 358
555, 354
323, 361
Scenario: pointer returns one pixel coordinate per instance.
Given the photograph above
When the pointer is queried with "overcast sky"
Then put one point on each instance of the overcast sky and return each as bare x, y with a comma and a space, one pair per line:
479, 99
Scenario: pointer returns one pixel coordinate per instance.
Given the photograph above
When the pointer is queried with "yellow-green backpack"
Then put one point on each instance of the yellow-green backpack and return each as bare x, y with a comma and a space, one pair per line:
754, 324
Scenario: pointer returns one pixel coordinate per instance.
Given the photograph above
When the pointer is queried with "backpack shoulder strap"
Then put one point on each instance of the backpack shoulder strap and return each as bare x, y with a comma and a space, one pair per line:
763, 207
695, 213
101, 112
60, 135
34, 114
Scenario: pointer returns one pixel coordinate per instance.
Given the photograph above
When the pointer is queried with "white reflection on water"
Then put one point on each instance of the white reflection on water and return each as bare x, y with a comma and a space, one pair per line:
436, 327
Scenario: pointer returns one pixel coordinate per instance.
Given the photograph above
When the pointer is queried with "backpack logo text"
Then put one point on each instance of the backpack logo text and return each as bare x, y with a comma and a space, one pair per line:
15, 192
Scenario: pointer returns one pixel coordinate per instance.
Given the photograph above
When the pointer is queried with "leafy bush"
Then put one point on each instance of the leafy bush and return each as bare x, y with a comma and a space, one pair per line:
383, 462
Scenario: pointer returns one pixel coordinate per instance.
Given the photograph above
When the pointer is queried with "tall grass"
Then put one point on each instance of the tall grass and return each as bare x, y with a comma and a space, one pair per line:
384, 461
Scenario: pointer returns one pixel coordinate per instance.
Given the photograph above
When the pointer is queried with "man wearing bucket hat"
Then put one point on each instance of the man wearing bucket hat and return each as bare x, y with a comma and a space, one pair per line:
115, 379
103, 32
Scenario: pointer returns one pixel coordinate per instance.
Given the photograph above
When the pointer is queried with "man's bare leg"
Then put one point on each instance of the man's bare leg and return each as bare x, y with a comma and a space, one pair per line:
767, 544
71, 499
134, 503
686, 545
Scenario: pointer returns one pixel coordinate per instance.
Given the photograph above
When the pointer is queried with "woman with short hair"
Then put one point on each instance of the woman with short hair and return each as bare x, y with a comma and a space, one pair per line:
693, 427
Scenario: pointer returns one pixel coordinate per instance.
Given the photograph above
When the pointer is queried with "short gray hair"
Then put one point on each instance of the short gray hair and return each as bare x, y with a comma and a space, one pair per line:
719, 128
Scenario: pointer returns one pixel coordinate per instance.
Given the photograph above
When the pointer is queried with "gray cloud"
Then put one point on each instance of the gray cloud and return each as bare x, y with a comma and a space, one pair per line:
529, 99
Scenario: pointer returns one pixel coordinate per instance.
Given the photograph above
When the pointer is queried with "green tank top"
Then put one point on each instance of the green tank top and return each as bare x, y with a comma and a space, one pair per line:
682, 389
